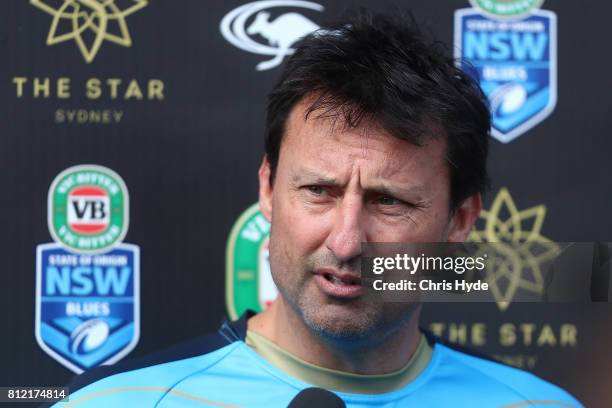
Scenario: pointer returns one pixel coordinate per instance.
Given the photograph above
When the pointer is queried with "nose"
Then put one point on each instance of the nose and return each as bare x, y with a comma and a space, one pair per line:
348, 230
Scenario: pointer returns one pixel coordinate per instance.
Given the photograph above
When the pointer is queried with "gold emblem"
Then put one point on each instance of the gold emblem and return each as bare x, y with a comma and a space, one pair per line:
78, 19
520, 250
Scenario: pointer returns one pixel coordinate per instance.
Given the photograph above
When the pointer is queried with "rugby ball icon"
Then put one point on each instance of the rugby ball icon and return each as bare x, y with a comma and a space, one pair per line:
88, 336
508, 98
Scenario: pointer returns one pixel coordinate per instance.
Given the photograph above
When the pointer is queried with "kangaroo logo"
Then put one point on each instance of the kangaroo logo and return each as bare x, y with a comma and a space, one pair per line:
280, 32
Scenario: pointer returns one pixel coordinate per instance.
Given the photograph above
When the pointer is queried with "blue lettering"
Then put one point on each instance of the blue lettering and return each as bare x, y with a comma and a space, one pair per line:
504, 45
104, 281
529, 46
81, 277
84, 280
476, 45
57, 281
500, 49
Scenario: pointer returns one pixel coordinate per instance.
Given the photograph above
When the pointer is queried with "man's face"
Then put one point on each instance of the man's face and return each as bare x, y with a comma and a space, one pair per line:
336, 188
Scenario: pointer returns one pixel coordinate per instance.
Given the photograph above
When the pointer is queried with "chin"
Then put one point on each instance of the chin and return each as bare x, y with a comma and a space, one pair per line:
340, 321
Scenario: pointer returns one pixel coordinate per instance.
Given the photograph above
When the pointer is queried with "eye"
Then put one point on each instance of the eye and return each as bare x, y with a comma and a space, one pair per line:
316, 190
386, 200
316, 194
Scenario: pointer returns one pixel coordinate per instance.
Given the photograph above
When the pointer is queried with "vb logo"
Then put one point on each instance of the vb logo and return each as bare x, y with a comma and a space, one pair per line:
88, 210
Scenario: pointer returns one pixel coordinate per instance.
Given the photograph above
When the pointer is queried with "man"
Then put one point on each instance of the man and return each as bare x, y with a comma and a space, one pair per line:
373, 135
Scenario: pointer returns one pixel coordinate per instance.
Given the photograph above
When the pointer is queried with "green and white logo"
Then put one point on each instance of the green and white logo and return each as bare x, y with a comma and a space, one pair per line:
506, 8
248, 281
88, 209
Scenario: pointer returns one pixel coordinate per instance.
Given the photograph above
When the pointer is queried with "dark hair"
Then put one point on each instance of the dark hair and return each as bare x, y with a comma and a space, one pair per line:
383, 69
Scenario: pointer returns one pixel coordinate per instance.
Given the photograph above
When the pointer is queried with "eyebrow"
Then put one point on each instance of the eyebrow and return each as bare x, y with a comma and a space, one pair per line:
313, 177
384, 188
416, 192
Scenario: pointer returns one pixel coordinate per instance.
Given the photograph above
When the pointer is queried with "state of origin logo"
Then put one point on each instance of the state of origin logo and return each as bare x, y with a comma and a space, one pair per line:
87, 281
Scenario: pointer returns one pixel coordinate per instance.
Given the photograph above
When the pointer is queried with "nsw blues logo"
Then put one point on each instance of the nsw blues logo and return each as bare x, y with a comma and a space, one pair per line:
87, 306
515, 62
87, 281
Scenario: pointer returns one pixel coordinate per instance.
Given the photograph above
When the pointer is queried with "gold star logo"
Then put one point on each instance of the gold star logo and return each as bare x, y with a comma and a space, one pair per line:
89, 23
515, 261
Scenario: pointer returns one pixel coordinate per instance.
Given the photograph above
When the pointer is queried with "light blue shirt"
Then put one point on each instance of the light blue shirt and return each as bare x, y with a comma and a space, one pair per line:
236, 376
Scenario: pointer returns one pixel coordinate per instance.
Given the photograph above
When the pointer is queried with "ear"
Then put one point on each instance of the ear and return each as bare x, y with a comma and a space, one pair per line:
464, 218
265, 189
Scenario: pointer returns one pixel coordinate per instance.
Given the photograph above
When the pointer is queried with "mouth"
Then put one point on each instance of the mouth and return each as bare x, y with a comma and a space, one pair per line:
343, 285
345, 279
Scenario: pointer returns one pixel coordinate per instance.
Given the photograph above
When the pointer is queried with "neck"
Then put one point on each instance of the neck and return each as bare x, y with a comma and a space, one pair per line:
384, 354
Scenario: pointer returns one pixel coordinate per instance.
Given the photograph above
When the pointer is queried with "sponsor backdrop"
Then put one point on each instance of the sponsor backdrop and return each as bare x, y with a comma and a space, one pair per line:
132, 132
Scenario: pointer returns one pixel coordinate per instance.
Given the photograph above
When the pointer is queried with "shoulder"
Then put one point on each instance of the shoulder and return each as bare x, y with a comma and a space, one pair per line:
482, 373
146, 380
146, 384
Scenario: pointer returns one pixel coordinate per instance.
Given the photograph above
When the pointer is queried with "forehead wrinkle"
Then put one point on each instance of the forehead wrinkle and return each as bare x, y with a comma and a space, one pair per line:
321, 176
334, 153
401, 173
365, 139
325, 168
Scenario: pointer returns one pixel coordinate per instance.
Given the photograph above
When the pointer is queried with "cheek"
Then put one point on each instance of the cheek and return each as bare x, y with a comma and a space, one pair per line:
429, 226
295, 237
297, 230
434, 227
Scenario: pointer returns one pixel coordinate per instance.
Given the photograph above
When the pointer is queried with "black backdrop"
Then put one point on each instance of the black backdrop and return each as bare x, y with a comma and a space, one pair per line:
190, 161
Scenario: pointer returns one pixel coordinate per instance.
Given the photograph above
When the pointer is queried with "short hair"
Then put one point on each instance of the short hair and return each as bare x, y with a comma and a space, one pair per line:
382, 68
